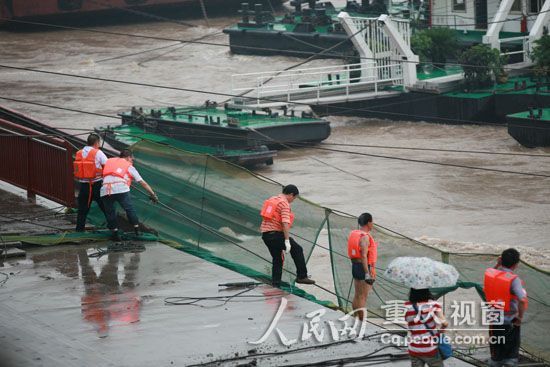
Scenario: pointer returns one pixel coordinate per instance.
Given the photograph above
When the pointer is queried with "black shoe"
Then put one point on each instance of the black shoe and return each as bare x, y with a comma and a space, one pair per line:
305, 281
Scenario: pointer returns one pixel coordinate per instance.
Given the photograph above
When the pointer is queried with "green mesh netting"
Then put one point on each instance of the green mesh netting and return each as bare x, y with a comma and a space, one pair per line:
211, 208
213, 205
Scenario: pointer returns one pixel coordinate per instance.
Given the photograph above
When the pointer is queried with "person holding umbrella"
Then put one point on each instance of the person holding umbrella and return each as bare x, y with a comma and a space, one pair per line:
362, 251
424, 315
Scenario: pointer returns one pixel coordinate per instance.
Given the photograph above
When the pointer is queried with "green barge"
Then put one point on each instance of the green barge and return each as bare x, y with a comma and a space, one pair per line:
530, 128
491, 105
229, 128
123, 136
300, 33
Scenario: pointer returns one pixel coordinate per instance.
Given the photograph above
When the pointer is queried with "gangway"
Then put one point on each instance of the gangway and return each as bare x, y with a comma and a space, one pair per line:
318, 85
387, 67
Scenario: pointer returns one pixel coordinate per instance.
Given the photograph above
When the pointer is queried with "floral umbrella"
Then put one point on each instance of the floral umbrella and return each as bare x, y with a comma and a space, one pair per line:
421, 272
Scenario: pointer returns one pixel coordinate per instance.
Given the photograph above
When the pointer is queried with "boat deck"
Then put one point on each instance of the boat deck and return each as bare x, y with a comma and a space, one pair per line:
221, 117
526, 115
122, 136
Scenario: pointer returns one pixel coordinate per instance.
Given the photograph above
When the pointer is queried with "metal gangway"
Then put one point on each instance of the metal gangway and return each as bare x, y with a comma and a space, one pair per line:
320, 85
387, 67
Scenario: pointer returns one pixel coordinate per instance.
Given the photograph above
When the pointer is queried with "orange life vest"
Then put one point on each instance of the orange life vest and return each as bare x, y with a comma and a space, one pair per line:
354, 246
85, 168
118, 167
497, 286
269, 210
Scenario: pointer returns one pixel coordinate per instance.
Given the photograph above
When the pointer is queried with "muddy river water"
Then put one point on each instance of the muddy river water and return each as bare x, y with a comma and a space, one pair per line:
464, 209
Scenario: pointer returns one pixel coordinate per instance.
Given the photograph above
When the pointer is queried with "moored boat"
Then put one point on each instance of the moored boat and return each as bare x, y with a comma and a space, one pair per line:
123, 136
16, 9
530, 128
230, 128
301, 32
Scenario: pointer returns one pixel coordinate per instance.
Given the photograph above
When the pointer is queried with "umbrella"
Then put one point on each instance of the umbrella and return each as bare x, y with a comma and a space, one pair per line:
421, 272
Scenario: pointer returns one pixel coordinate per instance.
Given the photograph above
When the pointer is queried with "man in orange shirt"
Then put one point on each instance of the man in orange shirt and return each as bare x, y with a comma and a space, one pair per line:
277, 218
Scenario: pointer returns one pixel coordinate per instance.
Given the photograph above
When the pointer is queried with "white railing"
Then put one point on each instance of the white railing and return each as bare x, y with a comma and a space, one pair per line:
375, 35
524, 50
286, 86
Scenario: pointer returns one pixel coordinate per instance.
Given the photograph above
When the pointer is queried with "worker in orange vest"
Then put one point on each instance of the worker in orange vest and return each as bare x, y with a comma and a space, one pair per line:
118, 174
88, 170
277, 219
362, 251
504, 290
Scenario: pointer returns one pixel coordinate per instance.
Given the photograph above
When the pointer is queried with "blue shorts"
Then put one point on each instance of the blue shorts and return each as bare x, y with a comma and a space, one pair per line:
357, 271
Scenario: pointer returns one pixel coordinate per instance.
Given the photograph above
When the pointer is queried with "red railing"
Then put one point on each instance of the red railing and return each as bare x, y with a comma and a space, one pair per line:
38, 163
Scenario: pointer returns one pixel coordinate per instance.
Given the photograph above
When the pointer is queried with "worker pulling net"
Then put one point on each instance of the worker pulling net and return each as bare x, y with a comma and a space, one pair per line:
211, 208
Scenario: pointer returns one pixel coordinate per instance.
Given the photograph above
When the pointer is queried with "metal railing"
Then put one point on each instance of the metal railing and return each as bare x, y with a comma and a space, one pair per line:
374, 32
40, 164
525, 46
317, 81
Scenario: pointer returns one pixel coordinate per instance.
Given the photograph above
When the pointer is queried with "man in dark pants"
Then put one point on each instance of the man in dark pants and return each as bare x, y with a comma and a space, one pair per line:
277, 218
117, 179
88, 170
502, 285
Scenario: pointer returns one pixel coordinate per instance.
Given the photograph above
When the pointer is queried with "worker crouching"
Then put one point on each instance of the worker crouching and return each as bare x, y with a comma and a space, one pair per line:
118, 174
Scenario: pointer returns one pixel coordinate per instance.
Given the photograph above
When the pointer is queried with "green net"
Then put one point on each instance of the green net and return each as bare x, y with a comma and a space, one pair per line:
211, 208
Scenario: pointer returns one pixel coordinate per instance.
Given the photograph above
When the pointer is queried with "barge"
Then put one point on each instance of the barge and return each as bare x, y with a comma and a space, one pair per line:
21, 9
229, 128
301, 33
458, 106
530, 128
122, 136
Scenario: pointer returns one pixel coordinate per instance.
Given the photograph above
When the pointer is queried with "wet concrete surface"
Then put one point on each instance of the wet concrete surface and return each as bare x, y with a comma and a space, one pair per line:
65, 306
60, 307
18, 216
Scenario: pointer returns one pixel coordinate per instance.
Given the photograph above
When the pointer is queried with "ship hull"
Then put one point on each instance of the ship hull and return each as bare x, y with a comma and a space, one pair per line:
247, 159
531, 132
270, 42
235, 138
14, 9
